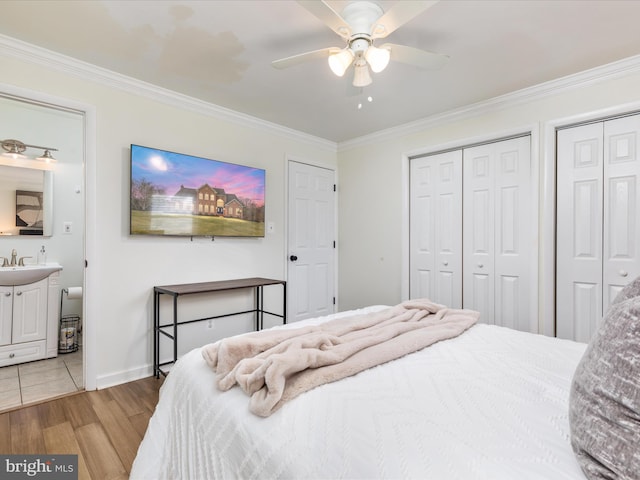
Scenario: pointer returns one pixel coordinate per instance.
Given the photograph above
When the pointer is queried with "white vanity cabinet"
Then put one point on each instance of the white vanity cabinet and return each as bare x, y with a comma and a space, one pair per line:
28, 321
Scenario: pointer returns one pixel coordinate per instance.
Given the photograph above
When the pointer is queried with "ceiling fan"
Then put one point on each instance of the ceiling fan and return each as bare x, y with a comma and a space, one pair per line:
361, 23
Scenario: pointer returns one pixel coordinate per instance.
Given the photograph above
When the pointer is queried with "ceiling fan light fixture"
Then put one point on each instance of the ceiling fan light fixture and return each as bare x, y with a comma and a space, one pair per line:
361, 76
339, 62
378, 58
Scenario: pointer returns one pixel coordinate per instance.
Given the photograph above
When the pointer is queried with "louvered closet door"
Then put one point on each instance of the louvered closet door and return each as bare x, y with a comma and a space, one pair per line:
598, 217
497, 244
436, 228
621, 262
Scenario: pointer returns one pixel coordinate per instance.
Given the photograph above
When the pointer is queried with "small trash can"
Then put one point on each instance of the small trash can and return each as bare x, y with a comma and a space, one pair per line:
68, 337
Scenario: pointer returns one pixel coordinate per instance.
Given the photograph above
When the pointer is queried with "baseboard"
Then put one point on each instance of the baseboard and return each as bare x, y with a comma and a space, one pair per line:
113, 379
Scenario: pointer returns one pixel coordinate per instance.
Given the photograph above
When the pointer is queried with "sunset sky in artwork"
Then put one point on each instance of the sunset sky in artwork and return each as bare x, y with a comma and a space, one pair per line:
170, 171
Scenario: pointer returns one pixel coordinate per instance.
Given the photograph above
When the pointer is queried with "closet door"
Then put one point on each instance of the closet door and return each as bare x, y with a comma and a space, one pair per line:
598, 221
497, 241
436, 228
621, 262
579, 213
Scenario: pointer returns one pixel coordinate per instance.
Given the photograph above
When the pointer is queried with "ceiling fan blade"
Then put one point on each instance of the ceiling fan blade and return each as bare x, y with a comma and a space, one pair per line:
304, 57
328, 16
398, 15
414, 56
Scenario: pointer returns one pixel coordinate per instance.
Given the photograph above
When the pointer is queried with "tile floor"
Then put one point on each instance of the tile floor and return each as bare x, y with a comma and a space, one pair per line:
35, 381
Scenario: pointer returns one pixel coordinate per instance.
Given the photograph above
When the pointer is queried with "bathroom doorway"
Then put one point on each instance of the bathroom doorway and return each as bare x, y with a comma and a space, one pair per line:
36, 120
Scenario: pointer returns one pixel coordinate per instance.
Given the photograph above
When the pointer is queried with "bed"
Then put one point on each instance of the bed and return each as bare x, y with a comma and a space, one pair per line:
491, 403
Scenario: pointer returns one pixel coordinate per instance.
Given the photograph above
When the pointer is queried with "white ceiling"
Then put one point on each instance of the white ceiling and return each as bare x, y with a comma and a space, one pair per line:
221, 52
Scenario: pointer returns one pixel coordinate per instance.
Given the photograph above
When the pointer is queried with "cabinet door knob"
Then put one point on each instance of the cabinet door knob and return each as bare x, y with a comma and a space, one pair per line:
18, 293
11, 355
623, 273
445, 263
7, 294
293, 258
480, 265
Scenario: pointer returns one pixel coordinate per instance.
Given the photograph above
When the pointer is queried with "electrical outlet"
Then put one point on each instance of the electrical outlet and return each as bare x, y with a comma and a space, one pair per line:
271, 227
67, 227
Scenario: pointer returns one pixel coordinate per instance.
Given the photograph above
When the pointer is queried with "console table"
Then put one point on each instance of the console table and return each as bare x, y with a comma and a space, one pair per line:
176, 291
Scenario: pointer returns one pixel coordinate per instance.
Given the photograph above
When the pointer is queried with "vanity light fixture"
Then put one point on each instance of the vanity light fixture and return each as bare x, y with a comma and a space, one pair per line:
46, 157
15, 149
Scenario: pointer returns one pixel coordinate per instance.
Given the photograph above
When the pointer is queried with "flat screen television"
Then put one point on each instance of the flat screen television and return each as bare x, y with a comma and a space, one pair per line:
181, 195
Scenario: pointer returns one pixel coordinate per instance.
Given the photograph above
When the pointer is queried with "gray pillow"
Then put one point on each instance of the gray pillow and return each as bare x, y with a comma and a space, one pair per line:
630, 290
604, 403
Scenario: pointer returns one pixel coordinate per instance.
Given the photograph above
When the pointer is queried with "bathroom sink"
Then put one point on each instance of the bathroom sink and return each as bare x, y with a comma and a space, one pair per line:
23, 275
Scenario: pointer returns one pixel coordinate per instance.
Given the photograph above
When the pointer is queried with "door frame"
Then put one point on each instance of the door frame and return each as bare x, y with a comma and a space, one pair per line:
532, 130
287, 226
89, 303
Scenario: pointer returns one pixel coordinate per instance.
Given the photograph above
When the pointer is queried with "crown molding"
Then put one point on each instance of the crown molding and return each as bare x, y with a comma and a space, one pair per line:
76, 68
537, 92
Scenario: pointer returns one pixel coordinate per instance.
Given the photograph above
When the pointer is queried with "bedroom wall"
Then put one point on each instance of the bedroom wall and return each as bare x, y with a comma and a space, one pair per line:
126, 268
373, 253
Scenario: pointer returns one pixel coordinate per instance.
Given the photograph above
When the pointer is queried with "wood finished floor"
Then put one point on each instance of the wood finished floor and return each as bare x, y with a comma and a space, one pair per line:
103, 427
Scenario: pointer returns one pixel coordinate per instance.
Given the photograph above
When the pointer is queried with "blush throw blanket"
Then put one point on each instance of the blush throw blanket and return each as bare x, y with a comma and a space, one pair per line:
274, 366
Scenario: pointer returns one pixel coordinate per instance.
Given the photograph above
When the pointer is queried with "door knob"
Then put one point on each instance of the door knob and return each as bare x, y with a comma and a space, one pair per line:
293, 258
623, 273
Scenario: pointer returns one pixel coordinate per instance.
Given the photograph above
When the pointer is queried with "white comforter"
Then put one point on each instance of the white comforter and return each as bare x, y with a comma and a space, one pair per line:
489, 404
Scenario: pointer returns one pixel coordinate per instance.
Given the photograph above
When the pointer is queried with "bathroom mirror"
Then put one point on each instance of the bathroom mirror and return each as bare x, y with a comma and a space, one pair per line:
26, 201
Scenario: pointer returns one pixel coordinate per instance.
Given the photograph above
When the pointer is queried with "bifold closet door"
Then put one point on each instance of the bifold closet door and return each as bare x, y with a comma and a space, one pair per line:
621, 240
497, 243
597, 221
579, 231
435, 232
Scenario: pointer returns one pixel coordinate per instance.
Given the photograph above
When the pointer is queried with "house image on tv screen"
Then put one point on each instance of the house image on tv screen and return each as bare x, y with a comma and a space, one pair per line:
165, 198
207, 200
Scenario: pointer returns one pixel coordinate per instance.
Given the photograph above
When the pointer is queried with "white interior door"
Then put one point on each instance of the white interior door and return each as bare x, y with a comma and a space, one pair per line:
311, 242
497, 243
435, 234
479, 226
598, 216
621, 261
579, 231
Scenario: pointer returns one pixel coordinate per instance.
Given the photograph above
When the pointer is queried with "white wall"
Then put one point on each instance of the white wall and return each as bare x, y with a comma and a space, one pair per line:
125, 268
372, 179
374, 172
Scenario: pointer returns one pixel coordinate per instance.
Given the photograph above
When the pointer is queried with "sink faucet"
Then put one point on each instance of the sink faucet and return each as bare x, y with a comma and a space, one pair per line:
21, 261
5, 261
14, 258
